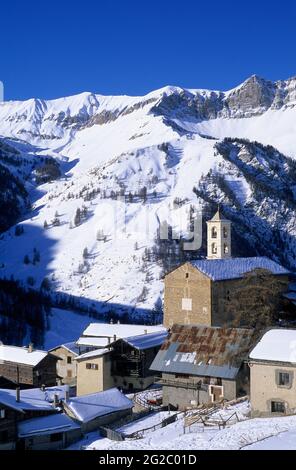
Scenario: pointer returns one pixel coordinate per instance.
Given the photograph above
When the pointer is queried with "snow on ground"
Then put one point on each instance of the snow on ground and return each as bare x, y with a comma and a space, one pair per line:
172, 437
283, 441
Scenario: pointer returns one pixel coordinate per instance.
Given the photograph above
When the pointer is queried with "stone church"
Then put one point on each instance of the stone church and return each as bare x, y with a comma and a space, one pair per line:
196, 292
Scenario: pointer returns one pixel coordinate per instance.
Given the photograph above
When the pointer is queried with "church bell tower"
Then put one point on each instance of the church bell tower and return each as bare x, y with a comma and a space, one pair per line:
219, 237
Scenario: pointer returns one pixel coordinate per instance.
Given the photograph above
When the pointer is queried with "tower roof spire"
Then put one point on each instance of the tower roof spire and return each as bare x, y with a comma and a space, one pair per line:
219, 217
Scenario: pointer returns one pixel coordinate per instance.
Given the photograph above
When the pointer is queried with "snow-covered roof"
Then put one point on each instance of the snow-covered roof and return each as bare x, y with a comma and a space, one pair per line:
71, 346
92, 341
151, 340
234, 268
33, 398
109, 330
89, 407
95, 353
277, 345
51, 424
21, 355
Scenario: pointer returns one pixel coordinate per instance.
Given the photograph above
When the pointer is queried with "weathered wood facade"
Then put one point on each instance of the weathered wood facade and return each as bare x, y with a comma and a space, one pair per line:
27, 376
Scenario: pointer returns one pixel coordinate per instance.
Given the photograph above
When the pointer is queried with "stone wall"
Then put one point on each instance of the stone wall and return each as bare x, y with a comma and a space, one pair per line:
187, 297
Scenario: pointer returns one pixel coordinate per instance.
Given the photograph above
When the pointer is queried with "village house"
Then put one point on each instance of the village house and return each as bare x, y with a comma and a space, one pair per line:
98, 409
18, 405
124, 364
66, 365
28, 367
197, 292
94, 371
200, 364
53, 432
131, 359
273, 374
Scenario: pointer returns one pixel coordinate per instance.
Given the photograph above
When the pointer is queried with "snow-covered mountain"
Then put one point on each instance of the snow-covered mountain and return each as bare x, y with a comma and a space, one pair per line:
126, 163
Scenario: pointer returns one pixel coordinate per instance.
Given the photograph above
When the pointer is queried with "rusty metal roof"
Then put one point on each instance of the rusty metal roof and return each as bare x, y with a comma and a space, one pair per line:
204, 351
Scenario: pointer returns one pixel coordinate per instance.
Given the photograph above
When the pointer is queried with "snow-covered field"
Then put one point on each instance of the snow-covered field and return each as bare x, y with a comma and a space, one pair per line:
246, 434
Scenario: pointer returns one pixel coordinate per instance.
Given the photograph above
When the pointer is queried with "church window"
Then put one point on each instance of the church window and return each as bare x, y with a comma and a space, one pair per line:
214, 248
214, 232
225, 232
225, 248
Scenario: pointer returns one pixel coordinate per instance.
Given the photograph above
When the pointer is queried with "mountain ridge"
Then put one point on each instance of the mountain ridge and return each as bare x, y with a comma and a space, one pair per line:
124, 164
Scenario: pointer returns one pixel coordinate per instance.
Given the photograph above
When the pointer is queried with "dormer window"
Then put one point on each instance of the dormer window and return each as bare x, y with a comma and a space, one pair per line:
214, 232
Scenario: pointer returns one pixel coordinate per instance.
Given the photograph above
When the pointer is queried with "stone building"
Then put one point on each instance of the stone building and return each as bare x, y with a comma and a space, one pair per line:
66, 365
200, 364
197, 292
273, 374
28, 367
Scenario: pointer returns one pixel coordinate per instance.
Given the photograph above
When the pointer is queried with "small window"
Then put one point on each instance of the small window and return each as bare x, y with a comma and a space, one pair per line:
225, 248
58, 436
214, 232
92, 366
277, 407
187, 275
225, 232
214, 248
284, 378
69, 374
69, 360
2, 413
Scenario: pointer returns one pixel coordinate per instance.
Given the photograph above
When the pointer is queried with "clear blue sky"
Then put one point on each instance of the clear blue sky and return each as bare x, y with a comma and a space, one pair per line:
56, 48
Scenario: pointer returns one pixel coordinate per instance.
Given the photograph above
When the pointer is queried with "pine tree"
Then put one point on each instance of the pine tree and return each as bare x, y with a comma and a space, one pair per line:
77, 218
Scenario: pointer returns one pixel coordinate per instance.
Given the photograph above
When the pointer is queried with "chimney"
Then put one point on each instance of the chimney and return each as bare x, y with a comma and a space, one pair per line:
118, 322
67, 395
109, 340
145, 332
18, 394
30, 348
55, 400
114, 338
111, 321
59, 382
43, 387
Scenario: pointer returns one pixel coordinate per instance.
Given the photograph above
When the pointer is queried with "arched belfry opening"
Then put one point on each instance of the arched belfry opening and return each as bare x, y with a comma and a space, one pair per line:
219, 237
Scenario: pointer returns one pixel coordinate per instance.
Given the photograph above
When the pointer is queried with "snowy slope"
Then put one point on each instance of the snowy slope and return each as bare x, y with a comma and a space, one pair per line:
108, 150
